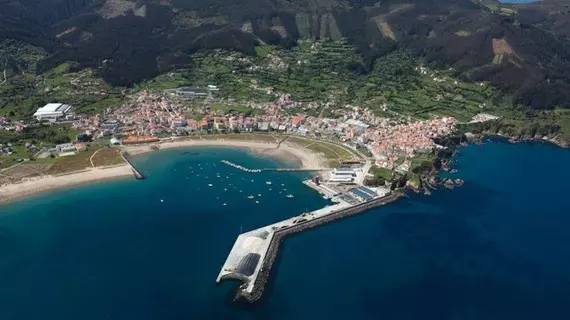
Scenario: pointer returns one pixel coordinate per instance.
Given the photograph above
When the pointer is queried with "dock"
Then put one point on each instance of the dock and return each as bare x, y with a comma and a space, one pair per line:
138, 175
242, 168
254, 252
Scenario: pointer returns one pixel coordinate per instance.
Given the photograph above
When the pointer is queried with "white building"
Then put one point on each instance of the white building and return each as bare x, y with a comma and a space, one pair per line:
344, 175
65, 148
115, 142
52, 112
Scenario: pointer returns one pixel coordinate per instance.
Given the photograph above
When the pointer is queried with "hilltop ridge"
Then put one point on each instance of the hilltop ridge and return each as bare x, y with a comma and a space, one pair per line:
517, 48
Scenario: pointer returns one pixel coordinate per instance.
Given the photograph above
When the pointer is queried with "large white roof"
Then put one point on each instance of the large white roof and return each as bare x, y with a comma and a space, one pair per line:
53, 108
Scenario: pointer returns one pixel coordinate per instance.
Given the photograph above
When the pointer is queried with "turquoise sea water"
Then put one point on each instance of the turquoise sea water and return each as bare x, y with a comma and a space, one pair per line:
496, 248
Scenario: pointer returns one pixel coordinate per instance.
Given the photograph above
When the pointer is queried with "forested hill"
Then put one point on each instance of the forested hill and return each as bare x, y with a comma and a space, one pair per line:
522, 49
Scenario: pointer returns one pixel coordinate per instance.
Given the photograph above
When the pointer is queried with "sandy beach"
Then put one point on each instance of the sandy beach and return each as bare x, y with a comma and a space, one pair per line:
35, 185
30, 186
307, 159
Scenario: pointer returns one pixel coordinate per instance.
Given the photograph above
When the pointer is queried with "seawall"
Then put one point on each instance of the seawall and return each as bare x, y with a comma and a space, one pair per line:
279, 235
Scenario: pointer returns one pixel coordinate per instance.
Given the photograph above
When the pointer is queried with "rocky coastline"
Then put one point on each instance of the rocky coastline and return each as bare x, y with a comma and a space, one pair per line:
443, 159
517, 138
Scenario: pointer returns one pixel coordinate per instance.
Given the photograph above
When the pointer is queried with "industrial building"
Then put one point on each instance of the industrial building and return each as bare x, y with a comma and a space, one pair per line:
65, 147
53, 112
343, 175
364, 193
190, 92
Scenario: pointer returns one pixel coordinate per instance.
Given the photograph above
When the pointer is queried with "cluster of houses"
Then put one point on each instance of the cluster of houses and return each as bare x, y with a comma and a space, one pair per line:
9, 125
145, 116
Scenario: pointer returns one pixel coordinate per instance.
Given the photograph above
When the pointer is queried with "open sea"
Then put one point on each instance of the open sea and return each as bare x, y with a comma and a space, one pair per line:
496, 248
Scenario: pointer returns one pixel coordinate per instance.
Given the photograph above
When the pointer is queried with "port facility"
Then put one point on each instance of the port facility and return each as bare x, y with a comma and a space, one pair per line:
252, 255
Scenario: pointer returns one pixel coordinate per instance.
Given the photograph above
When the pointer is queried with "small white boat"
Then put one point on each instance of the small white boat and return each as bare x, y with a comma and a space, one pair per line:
225, 189
256, 201
289, 196
267, 182
210, 185
259, 194
250, 197
161, 200
282, 184
224, 204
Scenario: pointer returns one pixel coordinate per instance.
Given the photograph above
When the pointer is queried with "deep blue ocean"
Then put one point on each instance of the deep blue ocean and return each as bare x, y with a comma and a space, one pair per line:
496, 248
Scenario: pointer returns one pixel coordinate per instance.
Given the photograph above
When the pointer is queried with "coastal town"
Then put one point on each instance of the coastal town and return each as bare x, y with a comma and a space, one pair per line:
152, 116
146, 117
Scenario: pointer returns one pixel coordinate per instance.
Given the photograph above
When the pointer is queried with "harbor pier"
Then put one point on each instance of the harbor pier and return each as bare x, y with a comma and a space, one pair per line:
138, 175
254, 252
242, 168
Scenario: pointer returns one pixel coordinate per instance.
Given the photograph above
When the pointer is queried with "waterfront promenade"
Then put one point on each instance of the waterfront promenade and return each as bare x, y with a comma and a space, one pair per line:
253, 253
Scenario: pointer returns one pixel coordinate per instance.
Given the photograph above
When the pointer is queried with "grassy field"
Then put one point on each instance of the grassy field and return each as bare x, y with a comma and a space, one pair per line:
422, 159
364, 151
263, 51
386, 174
333, 154
107, 157
19, 152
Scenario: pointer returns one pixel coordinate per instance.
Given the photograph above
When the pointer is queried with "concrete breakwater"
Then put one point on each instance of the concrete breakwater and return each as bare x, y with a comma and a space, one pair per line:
251, 292
237, 166
242, 168
138, 175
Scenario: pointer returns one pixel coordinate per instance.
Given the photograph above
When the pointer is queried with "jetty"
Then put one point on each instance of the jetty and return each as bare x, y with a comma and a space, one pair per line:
253, 253
138, 175
242, 168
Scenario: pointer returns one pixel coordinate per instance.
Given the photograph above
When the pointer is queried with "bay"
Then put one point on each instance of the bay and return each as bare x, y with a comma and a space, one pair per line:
495, 248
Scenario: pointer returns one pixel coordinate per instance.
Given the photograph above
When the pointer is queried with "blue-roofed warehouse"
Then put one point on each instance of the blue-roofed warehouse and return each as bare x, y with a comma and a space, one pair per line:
368, 191
361, 194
